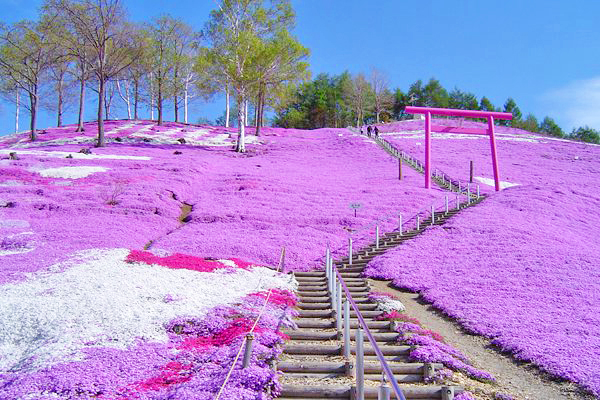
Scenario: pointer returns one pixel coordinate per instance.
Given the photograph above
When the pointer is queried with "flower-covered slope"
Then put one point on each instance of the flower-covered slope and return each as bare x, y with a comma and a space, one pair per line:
292, 188
129, 271
521, 267
120, 324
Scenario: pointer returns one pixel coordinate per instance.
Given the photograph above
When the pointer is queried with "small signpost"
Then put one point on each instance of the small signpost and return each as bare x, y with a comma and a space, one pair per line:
355, 206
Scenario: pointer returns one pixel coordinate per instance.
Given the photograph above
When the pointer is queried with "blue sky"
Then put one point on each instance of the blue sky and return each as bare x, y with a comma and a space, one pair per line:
544, 54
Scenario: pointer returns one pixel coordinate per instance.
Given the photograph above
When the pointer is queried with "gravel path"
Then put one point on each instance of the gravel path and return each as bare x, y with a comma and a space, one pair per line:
520, 380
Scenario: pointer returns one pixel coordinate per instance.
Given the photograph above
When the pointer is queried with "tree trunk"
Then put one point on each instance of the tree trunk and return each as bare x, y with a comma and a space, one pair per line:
241, 142
106, 105
259, 104
256, 113
261, 109
125, 97
33, 104
245, 111
226, 106
151, 99
159, 104
175, 105
136, 98
59, 106
185, 103
17, 113
100, 142
80, 127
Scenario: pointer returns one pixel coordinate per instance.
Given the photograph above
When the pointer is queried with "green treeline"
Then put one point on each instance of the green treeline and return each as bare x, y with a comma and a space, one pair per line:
345, 99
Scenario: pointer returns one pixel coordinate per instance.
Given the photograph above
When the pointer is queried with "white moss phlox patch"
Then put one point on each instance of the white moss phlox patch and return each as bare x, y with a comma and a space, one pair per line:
97, 299
70, 172
389, 305
491, 182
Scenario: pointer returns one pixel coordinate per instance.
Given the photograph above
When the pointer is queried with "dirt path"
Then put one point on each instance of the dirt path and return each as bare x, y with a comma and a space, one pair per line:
520, 380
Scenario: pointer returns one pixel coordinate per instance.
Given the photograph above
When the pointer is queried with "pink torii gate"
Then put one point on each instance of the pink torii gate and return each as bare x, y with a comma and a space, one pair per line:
489, 115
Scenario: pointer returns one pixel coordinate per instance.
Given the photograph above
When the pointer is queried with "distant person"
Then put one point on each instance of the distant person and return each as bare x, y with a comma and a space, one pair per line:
376, 132
361, 130
369, 131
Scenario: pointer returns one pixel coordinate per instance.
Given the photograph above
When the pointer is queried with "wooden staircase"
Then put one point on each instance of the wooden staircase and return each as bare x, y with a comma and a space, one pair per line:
313, 363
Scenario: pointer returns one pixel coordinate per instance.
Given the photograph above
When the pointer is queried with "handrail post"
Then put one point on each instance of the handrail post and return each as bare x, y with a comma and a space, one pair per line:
248, 350
478, 195
333, 294
350, 251
384, 391
432, 214
347, 329
329, 275
446, 201
400, 224
360, 365
418, 222
457, 202
338, 310
377, 236
468, 193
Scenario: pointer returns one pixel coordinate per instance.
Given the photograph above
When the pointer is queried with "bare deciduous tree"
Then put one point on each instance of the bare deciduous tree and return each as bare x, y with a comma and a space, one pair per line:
382, 97
103, 29
359, 94
26, 54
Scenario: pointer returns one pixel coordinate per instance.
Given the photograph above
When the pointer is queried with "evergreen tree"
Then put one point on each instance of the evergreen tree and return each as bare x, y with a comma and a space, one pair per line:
416, 94
511, 107
549, 127
400, 103
530, 123
435, 95
486, 105
462, 100
586, 134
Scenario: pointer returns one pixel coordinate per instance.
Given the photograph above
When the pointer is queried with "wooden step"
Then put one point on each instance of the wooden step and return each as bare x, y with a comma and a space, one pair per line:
325, 299
360, 292
371, 392
343, 270
369, 367
329, 324
327, 306
316, 349
321, 335
329, 313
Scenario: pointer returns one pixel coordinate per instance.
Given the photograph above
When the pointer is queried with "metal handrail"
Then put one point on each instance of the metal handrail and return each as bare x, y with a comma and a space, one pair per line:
384, 365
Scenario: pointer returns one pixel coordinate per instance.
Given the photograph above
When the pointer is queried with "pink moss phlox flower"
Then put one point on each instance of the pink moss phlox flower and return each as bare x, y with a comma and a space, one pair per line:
278, 297
397, 316
172, 373
180, 261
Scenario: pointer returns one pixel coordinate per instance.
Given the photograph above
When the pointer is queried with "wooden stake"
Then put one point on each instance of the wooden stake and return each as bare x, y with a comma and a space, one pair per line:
471, 173
400, 169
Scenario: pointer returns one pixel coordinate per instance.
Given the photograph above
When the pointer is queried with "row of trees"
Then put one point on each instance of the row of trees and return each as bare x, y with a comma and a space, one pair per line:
246, 50
359, 99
